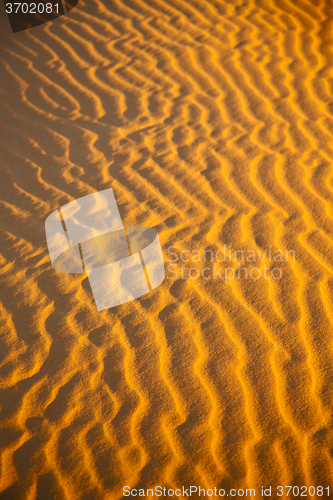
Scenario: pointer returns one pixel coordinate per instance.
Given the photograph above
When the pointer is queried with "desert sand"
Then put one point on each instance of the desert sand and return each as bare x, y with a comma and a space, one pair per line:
212, 122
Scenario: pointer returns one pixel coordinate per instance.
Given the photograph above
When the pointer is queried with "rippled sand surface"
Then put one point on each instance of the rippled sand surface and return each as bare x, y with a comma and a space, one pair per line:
212, 122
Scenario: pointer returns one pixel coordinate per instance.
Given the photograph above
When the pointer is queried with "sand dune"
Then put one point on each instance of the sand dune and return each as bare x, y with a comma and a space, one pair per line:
212, 122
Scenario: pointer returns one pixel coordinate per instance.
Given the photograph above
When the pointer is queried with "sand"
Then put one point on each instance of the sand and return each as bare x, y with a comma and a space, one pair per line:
212, 122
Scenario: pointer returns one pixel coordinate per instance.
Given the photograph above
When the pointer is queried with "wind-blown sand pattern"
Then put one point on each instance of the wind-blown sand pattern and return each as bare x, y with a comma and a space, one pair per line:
211, 120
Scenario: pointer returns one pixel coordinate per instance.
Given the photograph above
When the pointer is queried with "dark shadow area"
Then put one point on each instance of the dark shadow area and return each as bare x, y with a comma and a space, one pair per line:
11, 493
48, 488
71, 3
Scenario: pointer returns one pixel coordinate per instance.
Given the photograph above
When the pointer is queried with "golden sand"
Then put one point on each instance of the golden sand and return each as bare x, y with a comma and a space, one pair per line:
212, 122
